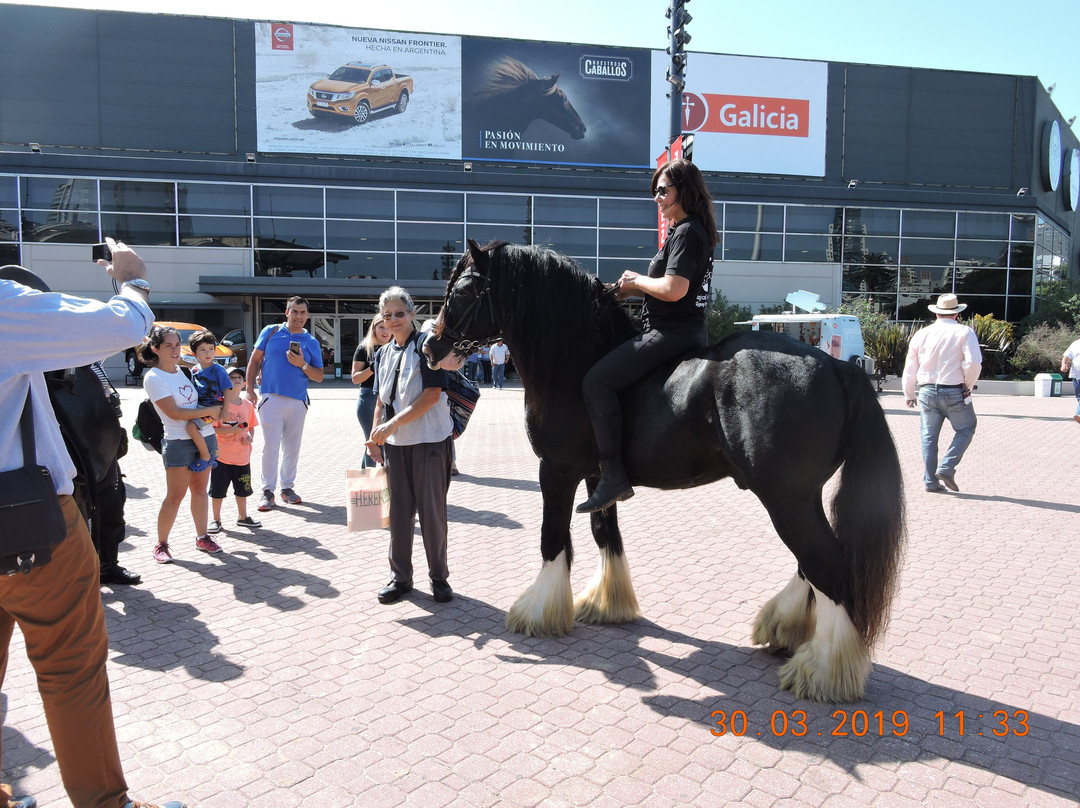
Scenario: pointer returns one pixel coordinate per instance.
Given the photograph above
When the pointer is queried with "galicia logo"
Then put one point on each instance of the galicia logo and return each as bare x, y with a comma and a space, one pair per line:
746, 115
282, 37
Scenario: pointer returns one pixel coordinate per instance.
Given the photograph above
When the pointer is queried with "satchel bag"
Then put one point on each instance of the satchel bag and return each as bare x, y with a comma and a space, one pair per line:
367, 498
461, 395
31, 520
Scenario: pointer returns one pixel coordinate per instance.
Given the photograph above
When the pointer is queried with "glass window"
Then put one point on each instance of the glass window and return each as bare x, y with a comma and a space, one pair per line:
8, 192
982, 253
430, 237
869, 278
575, 241
1017, 308
500, 208
979, 281
1022, 255
1020, 281
925, 281
993, 305
359, 236
588, 264
430, 207
53, 193
755, 218
289, 263
286, 233
138, 229
982, 225
215, 231
9, 225
611, 269
363, 265
423, 267
753, 247
930, 223
512, 234
569, 210
628, 244
872, 221
206, 197
144, 197
627, 213
288, 200
9, 254
1023, 227
70, 227
800, 248
359, 203
926, 251
807, 219
870, 250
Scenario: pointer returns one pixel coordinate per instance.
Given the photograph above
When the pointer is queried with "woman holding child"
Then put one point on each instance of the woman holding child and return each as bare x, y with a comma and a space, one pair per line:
177, 402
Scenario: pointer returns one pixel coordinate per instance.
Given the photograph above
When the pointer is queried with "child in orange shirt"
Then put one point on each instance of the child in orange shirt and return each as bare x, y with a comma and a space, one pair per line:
235, 431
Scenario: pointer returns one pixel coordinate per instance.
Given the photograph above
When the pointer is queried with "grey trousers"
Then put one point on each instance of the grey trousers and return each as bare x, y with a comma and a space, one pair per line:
419, 478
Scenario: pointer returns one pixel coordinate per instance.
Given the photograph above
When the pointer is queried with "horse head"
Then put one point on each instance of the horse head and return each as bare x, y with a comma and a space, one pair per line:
467, 318
553, 106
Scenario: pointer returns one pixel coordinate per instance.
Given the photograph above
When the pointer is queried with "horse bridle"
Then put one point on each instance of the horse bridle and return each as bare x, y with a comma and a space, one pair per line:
467, 346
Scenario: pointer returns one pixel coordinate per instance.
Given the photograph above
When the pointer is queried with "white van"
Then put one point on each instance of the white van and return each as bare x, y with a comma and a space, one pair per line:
839, 335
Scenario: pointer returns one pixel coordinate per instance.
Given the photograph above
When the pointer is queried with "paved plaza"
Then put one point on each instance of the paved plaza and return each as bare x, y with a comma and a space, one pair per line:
269, 675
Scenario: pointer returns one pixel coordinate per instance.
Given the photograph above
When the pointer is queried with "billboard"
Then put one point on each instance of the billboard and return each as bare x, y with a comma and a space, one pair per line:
538, 102
327, 90
748, 115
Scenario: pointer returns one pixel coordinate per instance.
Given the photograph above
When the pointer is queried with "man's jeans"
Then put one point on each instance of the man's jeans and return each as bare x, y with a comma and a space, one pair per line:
498, 374
935, 405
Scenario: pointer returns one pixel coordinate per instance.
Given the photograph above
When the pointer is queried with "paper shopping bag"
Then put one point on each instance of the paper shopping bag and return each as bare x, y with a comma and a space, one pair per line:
367, 498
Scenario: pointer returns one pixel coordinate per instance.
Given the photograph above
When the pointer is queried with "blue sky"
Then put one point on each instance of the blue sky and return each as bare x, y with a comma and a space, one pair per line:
991, 36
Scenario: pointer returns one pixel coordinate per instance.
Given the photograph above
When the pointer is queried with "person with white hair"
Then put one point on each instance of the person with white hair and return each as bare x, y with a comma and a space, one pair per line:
943, 364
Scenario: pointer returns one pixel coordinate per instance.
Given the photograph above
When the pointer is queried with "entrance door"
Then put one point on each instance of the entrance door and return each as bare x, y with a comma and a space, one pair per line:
339, 335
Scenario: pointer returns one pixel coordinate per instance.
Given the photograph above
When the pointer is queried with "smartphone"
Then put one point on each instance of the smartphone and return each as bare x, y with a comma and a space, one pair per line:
101, 251
294, 346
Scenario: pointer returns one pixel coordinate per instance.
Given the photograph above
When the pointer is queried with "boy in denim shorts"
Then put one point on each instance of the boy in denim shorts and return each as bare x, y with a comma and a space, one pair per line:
235, 431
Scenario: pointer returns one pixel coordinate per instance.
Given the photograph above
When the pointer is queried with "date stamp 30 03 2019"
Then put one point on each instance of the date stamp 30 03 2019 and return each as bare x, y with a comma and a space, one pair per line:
860, 723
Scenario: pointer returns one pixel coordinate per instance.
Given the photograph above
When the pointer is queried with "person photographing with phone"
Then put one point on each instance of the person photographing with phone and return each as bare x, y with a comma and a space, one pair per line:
289, 358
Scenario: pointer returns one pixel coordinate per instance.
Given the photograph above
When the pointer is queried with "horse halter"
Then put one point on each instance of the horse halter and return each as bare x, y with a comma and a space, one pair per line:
460, 343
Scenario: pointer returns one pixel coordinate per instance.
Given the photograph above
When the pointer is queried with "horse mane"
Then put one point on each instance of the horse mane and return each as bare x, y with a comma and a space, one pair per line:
503, 76
538, 292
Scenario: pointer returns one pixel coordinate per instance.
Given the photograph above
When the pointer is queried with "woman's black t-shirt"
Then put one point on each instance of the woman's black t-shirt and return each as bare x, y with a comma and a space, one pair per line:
686, 253
360, 355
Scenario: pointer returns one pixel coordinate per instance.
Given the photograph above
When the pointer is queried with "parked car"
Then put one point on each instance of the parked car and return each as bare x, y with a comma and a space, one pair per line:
223, 355
236, 341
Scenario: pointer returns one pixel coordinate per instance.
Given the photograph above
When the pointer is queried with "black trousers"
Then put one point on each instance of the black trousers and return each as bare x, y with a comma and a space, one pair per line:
618, 370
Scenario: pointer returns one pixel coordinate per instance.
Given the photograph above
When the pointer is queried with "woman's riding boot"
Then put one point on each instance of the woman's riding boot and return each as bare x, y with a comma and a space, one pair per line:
614, 487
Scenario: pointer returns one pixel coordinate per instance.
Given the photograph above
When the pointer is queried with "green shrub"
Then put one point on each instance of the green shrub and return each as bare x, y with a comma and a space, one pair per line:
721, 317
996, 338
888, 346
1041, 348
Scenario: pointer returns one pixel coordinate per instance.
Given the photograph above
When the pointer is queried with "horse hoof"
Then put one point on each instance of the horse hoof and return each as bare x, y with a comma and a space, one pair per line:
609, 596
545, 609
787, 620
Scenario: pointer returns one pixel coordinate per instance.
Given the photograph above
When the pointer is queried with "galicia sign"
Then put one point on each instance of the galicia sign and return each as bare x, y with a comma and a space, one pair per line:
746, 115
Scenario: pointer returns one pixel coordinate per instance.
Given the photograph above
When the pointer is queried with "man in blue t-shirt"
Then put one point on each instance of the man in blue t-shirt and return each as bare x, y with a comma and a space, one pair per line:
289, 358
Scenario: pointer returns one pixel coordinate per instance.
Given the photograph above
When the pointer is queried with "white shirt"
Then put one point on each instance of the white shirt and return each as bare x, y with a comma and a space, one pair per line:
499, 354
1073, 353
45, 331
158, 385
944, 352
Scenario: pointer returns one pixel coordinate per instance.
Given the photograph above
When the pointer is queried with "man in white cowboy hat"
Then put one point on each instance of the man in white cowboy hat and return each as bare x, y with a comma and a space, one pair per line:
943, 364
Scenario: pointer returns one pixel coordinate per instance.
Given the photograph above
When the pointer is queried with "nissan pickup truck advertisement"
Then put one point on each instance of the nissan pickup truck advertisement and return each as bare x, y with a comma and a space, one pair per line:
326, 90
536, 102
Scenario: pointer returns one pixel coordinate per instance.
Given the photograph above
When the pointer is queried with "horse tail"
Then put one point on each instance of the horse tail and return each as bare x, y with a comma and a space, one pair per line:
868, 509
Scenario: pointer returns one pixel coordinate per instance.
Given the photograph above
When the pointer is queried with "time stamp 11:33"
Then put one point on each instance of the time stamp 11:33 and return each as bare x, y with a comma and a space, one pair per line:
860, 723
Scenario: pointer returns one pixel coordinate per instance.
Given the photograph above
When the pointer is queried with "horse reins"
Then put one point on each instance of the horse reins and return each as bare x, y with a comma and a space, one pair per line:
460, 343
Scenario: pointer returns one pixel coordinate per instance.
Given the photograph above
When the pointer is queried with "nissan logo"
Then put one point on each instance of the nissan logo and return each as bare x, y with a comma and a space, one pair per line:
282, 34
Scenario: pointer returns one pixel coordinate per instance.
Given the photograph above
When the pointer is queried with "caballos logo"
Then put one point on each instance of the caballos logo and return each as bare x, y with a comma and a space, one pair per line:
282, 37
746, 115
606, 67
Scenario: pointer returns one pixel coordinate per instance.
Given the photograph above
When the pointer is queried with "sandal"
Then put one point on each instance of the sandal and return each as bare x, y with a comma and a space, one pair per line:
202, 465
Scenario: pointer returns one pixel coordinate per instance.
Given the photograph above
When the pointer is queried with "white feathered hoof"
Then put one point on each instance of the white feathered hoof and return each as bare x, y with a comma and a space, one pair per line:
609, 596
545, 609
832, 667
787, 620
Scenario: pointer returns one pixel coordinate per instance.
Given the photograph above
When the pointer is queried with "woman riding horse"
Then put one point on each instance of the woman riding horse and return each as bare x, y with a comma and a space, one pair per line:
676, 293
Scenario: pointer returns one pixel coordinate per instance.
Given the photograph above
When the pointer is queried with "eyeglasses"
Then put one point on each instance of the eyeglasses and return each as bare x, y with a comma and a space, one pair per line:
394, 315
662, 190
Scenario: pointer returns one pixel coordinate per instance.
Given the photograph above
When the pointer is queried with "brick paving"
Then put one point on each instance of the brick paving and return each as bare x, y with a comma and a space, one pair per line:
270, 676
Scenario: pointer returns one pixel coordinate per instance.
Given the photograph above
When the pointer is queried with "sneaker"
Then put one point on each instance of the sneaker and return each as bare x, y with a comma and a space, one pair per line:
207, 545
267, 501
290, 497
162, 554
215, 526
169, 804
247, 521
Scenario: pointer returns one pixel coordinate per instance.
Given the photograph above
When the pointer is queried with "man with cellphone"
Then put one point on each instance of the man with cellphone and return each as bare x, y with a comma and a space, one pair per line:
289, 358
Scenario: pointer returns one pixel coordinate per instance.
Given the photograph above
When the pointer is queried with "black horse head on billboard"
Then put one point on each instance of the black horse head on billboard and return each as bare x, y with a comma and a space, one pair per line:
514, 96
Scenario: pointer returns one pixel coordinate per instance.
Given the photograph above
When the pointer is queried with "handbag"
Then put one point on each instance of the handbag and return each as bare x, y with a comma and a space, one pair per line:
31, 520
461, 395
367, 499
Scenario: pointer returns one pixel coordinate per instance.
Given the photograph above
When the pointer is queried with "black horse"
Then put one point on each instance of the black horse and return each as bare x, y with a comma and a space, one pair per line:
777, 416
515, 96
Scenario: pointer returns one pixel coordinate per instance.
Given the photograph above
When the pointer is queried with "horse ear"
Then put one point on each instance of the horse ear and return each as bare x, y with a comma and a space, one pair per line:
549, 84
476, 253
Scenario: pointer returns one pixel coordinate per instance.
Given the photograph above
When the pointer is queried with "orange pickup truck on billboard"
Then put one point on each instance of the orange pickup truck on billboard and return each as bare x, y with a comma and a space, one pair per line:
357, 90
